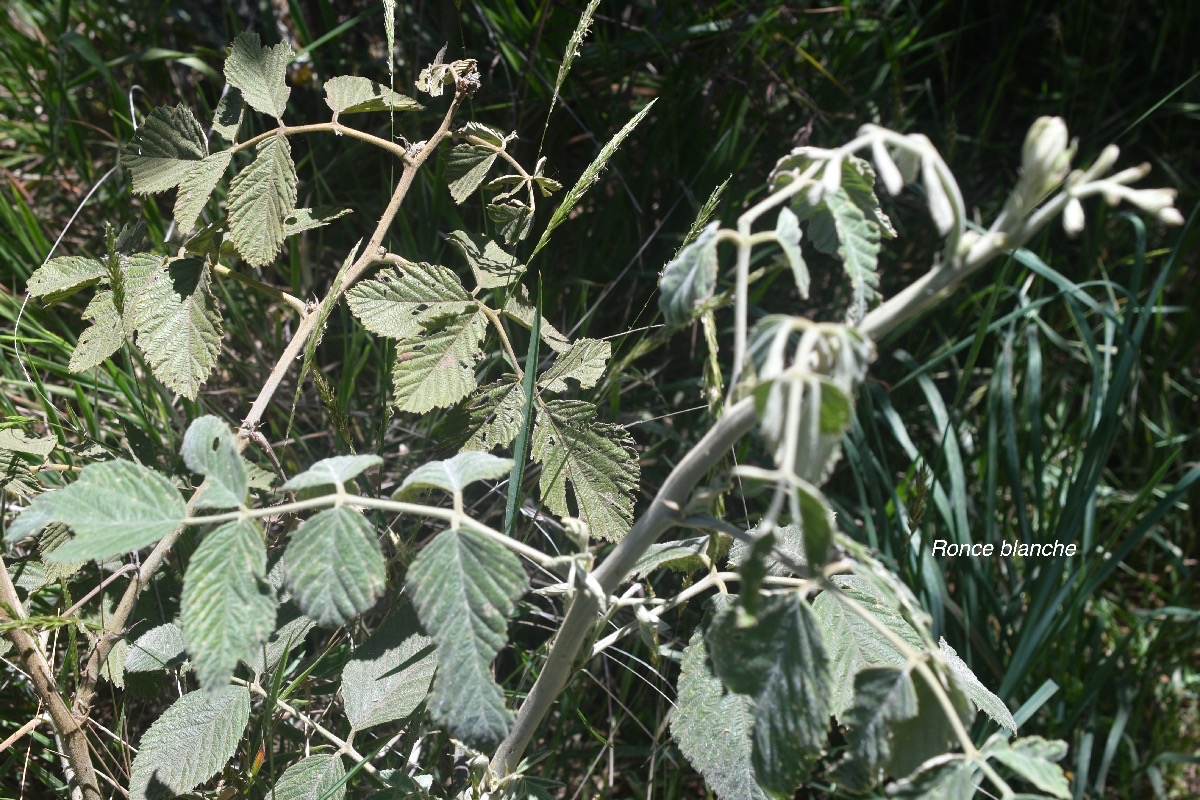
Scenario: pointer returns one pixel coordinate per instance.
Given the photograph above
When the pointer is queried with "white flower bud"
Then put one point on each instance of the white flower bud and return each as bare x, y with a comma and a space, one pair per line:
1170, 216
1073, 218
889, 173
1153, 200
1045, 152
940, 207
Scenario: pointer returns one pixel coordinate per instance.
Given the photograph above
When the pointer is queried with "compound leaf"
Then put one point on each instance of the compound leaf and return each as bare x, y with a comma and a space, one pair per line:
466, 167
979, 694
261, 197
331, 472
779, 660
334, 566
399, 303
584, 362
713, 727
189, 743
228, 608
455, 474
179, 326
437, 368
169, 143
388, 677
209, 449
63, 276
114, 507
259, 72
347, 94
465, 587
196, 186
318, 777
492, 265
102, 338
597, 460
690, 278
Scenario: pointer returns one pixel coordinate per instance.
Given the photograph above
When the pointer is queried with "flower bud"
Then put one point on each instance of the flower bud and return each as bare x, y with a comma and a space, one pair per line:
1073, 218
1045, 152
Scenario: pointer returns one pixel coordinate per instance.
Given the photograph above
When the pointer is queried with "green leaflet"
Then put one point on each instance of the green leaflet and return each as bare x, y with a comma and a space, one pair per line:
690, 279
882, 695
319, 777
519, 309
307, 219
1033, 758
455, 474
928, 734
348, 94
400, 303
261, 197
946, 777
494, 415
597, 460
789, 540
114, 507
259, 73
388, 677
979, 694
780, 662
513, 218
63, 276
683, 555
179, 326
196, 186
852, 643
334, 566
228, 608
585, 363
189, 743
284, 641
157, 648
102, 338
209, 449
589, 177
787, 233
713, 727
843, 231
466, 167
169, 143
436, 369
465, 587
333, 471
492, 265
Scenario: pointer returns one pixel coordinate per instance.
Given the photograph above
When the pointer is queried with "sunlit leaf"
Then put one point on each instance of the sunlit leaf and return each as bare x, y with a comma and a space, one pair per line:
306, 219
157, 648
196, 186
585, 363
465, 587
979, 694
389, 676
259, 72
189, 743
455, 474
261, 197
348, 94
331, 471
334, 566
492, 265
1033, 758
227, 608
597, 460
179, 326
466, 167
312, 778
167, 145
102, 338
63, 276
209, 449
436, 368
397, 303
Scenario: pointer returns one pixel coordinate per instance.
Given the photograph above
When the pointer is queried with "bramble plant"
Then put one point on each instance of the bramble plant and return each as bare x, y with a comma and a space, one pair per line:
803, 624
